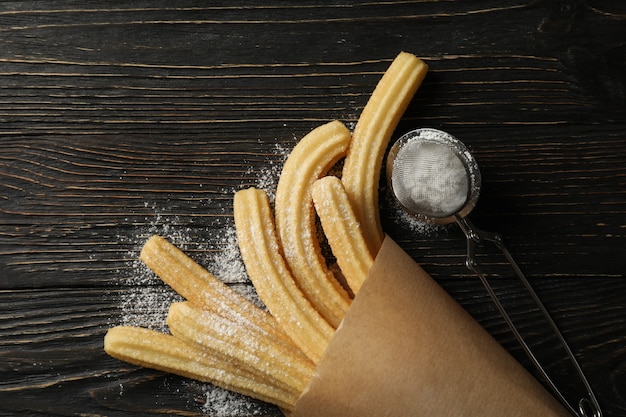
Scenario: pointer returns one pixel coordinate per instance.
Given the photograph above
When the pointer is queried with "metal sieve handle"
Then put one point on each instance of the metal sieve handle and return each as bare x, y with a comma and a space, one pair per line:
585, 407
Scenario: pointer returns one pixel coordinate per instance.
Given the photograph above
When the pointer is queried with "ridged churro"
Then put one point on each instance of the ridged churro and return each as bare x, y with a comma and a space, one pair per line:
199, 286
270, 359
219, 336
342, 230
361, 171
310, 159
271, 277
151, 349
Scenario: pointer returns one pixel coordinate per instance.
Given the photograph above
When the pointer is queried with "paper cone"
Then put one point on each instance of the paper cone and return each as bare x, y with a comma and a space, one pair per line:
406, 348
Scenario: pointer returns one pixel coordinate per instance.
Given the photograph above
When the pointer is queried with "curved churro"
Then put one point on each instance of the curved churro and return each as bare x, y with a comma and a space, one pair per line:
269, 358
199, 286
218, 335
342, 230
310, 159
361, 172
151, 349
270, 275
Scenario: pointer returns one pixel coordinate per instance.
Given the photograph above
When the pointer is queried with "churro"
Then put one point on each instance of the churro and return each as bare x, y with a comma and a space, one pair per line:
151, 349
199, 286
342, 230
219, 336
271, 277
361, 172
268, 358
310, 159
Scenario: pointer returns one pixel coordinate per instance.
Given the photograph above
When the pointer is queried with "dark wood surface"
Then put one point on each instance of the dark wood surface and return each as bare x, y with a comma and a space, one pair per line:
123, 119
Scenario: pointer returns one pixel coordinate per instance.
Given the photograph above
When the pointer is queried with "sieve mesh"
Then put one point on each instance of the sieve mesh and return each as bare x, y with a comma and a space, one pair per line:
433, 175
429, 178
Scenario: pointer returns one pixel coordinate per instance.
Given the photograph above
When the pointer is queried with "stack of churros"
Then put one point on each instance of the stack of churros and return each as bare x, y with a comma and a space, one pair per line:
220, 337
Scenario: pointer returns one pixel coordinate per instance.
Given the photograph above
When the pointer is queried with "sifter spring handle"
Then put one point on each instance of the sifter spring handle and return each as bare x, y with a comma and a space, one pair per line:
586, 406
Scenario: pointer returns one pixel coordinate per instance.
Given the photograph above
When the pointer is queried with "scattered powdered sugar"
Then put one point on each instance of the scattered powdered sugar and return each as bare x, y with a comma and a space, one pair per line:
414, 224
351, 124
267, 177
218, 252
226, 264
402, 218
147, 306
146, 300
223, 403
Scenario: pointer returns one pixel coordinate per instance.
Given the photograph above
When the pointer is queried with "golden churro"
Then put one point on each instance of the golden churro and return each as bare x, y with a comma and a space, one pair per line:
269, 358
361, 171
342, 230
270, 275
151, 349
199, 286
218, 335
310, 159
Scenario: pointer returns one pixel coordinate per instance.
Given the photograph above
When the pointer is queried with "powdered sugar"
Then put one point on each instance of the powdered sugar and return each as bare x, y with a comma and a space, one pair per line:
147, 306
226, 264
145, 299
267, 177
414, 224
222, 403
430, 179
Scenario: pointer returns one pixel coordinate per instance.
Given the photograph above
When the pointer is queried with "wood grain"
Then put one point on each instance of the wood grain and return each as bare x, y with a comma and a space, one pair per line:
123, 119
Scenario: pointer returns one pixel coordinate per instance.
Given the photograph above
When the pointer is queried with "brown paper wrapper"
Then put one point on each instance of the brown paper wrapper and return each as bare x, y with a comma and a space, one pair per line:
406, 348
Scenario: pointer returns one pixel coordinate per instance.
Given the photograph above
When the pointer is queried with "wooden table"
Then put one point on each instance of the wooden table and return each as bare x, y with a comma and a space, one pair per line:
123, 119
